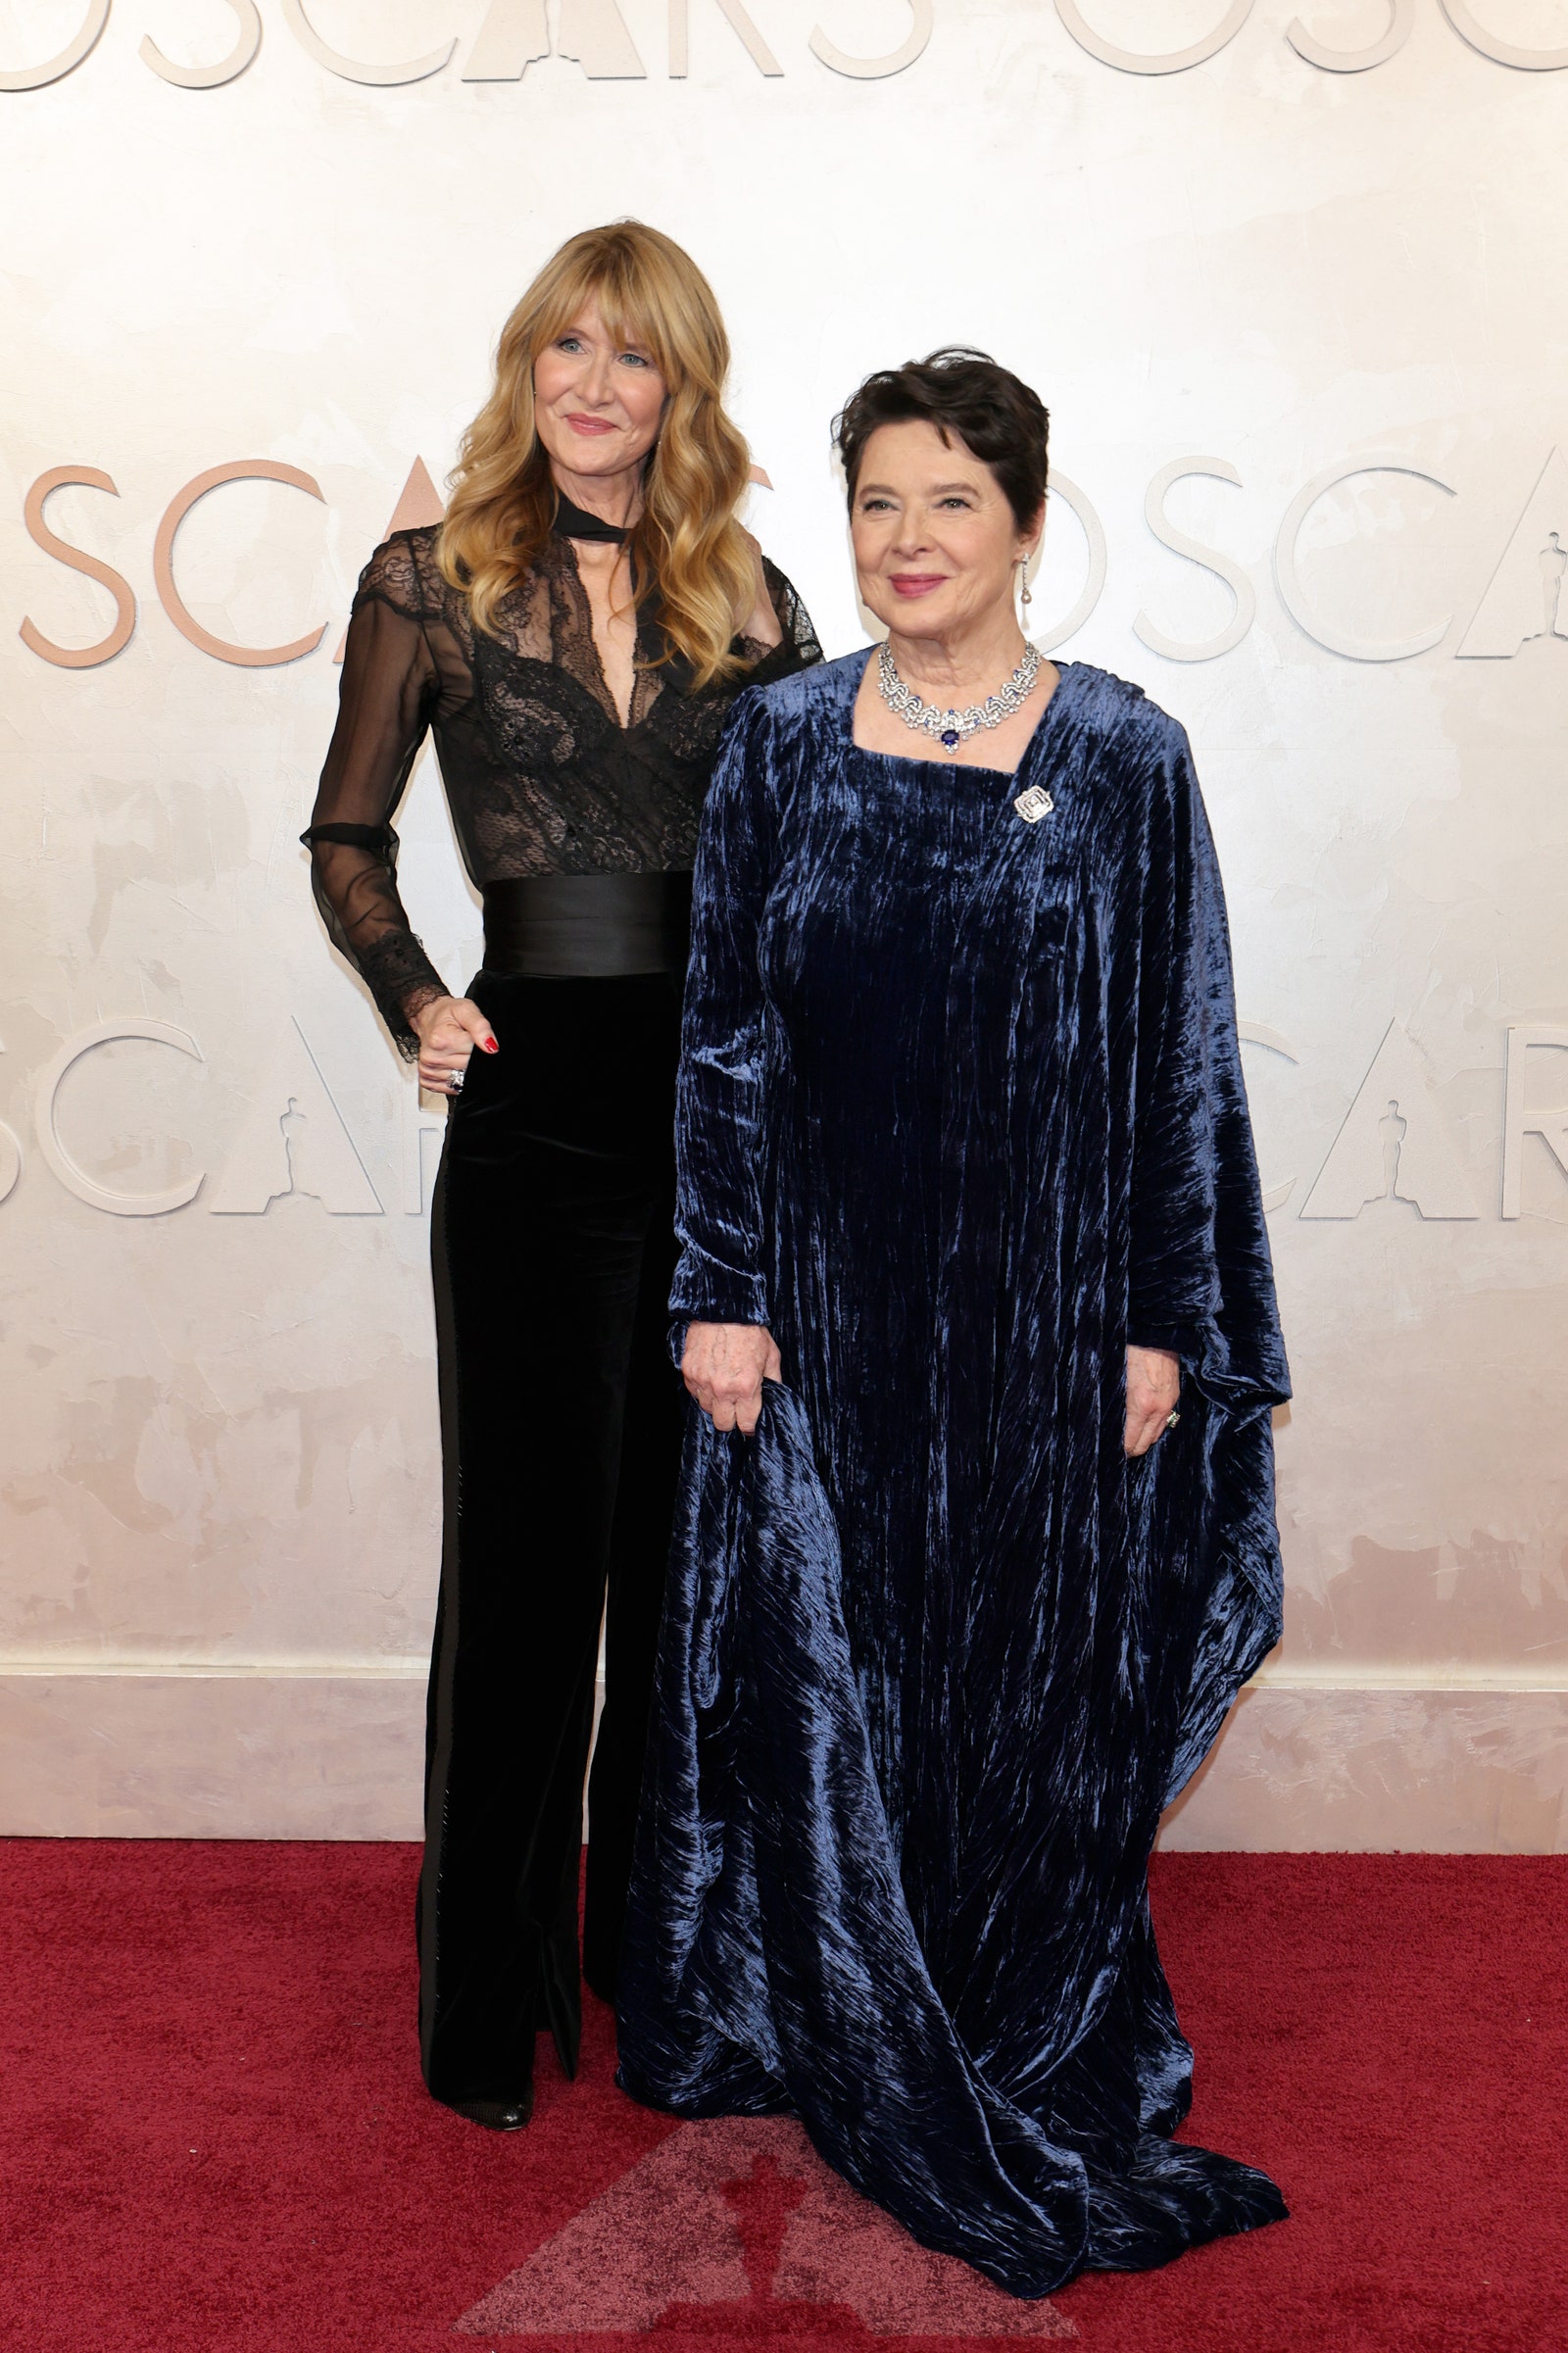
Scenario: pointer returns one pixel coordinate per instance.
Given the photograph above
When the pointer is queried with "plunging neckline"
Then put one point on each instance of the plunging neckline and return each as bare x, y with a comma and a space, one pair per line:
606, 698
969, 768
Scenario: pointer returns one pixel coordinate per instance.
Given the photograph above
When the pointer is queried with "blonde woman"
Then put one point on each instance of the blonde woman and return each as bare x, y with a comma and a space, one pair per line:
574, 635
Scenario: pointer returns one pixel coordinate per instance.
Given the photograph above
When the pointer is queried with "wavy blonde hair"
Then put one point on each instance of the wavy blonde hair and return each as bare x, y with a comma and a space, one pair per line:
687, 541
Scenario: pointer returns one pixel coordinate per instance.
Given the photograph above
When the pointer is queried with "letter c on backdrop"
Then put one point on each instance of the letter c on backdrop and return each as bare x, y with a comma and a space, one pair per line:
1501, 53
247, 469
10, 1156
354, 69
76, 1180
1293, 596
1259, 1032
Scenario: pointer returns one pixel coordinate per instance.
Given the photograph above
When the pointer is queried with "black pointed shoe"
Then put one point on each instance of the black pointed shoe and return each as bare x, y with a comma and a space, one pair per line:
497, 2116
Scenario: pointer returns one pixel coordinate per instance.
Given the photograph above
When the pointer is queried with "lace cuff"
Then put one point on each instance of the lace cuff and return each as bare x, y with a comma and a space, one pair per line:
400, 977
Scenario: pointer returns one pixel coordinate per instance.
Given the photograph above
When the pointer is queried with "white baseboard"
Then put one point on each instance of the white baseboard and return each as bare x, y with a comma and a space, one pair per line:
1479, 1767
186, 1755
334, 1749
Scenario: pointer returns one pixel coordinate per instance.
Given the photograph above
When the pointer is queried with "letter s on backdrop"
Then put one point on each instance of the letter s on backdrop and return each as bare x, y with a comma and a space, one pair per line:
76, 658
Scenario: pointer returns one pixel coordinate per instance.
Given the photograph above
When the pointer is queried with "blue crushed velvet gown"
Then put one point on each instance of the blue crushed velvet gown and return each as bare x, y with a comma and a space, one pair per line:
960, 1114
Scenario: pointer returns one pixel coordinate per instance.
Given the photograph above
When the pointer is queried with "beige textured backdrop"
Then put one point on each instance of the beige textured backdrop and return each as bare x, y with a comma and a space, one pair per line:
1234, 283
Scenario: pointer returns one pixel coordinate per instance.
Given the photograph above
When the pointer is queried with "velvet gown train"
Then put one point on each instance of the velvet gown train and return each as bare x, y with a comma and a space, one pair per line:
960, 1113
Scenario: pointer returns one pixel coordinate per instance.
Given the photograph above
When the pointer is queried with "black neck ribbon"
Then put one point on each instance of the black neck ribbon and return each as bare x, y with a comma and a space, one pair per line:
576, 522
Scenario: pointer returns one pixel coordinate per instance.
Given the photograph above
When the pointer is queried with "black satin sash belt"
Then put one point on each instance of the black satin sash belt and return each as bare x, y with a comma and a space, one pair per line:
588, 926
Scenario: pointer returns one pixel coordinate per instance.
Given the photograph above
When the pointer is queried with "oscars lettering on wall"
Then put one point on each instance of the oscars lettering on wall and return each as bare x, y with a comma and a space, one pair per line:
515, 35
1394, 1144
1520, 599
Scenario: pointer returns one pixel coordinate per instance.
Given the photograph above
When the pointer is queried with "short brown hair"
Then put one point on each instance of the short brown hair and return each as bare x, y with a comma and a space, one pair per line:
965, 394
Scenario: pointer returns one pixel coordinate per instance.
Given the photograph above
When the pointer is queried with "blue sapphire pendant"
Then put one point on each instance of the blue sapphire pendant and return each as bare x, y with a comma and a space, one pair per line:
949, 727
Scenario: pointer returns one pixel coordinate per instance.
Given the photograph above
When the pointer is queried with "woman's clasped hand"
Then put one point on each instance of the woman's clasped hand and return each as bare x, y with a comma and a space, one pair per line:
448, 1029
1153, 1385
724, 1366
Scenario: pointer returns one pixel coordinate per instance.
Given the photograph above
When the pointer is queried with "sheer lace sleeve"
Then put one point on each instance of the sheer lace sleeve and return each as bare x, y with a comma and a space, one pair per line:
389, 688
798, 649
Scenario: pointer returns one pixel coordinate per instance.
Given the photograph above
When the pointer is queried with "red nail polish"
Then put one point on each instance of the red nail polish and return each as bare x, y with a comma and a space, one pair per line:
490, 1045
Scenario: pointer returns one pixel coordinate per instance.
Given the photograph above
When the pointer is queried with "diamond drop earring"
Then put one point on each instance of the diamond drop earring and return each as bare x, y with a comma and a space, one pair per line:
1024, 595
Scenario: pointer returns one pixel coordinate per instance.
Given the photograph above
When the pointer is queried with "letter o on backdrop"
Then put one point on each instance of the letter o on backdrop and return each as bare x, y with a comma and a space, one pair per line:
55, 68
109, 1197
1135, 60
1094, 531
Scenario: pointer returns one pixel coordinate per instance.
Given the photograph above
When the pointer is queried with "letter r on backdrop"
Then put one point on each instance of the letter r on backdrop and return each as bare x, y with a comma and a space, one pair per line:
1550, 1126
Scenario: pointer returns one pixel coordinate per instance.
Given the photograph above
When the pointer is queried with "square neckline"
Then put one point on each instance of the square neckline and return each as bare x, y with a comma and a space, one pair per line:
967, 767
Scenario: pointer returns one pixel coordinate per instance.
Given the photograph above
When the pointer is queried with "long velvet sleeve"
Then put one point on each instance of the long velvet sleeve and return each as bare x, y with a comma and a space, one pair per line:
720, 1102
1201, 1275
1199, 1254
390, 684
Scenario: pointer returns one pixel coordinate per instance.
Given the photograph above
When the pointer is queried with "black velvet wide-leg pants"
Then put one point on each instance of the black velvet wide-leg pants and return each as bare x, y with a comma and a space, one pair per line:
553, 1249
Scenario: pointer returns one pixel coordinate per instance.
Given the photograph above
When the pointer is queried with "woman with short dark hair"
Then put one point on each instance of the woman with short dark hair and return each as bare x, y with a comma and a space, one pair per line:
967, 1203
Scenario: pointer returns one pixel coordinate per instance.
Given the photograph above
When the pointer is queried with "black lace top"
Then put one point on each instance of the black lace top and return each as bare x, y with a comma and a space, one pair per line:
540, 775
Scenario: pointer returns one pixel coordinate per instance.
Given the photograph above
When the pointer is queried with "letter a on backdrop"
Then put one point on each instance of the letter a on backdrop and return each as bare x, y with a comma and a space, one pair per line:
292, 1140
419, 503
1514, 607
1394, 1145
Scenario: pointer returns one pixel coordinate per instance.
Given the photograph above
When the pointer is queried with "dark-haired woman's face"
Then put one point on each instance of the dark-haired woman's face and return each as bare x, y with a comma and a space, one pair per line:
936, 543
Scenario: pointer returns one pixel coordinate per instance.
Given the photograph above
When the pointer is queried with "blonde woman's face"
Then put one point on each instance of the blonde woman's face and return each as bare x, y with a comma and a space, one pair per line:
598, 402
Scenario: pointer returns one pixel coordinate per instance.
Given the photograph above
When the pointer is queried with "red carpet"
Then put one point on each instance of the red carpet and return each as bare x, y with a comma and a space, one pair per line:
215, 2140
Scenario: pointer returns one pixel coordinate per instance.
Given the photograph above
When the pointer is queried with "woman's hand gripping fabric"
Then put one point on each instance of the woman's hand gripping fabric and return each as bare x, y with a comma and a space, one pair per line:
1153, 1385
724, 1366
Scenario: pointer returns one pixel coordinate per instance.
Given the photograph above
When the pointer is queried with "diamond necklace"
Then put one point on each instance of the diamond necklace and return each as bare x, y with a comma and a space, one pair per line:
951, 727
